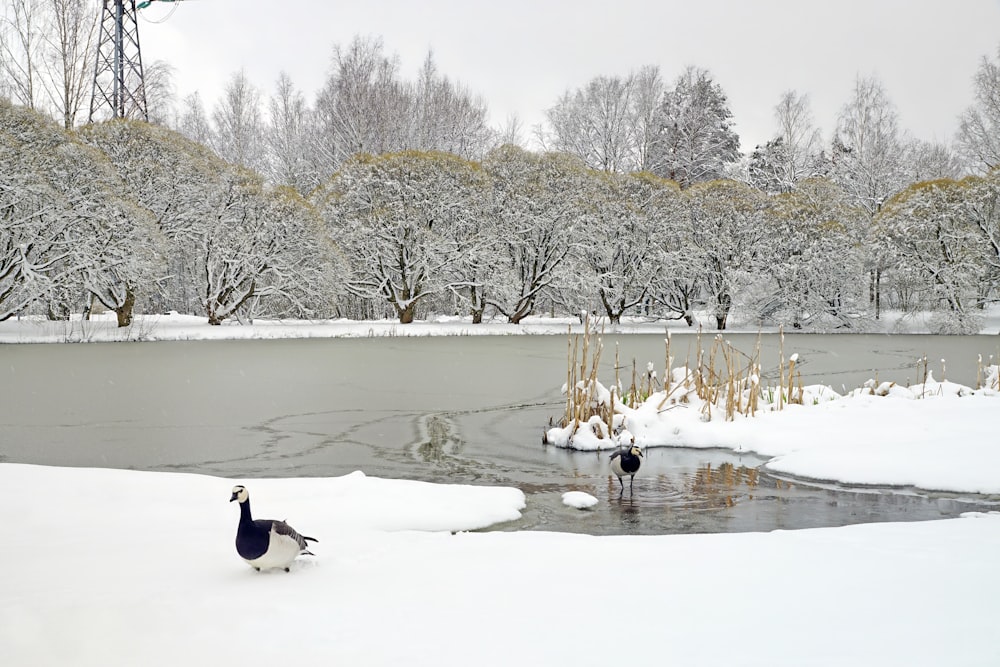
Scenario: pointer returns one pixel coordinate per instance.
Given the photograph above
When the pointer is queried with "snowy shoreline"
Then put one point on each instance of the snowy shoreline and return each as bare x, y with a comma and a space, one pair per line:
177, 327
107, 566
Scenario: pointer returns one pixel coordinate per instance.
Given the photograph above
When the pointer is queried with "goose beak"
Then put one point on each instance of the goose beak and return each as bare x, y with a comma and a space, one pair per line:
232, 498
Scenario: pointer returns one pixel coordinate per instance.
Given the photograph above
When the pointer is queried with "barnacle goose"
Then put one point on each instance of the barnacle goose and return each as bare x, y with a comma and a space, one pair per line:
626, 462
266, 543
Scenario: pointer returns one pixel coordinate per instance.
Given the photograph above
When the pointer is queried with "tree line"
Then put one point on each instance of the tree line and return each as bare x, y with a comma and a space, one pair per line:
393, 197
137, 217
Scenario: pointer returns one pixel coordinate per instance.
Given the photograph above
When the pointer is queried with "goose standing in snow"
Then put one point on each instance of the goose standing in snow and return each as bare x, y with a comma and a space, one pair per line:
626, 462
266, 543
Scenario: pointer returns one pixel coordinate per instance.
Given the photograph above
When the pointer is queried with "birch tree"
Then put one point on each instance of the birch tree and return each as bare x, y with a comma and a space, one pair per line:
795, 152
70, 41
868, 161
979, 126
595, 124
287, 136
238, 124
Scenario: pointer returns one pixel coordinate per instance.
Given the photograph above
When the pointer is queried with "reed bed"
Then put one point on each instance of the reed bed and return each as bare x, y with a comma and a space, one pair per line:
725, 381
723, 378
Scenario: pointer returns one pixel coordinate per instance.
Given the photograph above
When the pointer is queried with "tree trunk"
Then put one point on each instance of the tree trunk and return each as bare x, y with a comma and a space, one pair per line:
124, 311
406, 314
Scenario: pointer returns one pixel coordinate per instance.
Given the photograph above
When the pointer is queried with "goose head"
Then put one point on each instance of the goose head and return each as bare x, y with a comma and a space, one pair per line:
634, 450
240, 493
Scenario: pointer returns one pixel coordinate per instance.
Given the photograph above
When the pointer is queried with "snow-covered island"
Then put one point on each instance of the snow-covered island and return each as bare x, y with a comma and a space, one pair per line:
106, 567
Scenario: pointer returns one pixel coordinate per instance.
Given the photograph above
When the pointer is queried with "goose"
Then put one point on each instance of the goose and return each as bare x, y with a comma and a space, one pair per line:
626, 462
266, 543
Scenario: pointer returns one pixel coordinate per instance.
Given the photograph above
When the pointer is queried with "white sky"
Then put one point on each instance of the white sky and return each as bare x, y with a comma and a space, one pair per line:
520, 55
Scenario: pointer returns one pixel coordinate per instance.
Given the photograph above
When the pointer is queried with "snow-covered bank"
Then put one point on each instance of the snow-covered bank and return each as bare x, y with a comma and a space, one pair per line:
935, 436
119, 567
103, 328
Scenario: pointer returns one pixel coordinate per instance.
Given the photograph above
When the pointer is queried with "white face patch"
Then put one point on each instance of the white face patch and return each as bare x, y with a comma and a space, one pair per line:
241, 493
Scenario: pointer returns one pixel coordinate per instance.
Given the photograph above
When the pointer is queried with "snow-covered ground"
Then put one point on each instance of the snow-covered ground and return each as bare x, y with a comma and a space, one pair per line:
103, 328
101, 567
108, 567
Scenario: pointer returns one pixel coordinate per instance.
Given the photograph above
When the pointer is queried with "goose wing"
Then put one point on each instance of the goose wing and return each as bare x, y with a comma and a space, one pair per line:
282, 528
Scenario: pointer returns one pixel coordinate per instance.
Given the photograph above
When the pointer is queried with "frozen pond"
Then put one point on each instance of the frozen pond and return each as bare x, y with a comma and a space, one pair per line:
440, 409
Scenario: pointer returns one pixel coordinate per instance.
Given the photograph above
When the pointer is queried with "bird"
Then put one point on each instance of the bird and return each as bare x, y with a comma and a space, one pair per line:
266, 543
626, 462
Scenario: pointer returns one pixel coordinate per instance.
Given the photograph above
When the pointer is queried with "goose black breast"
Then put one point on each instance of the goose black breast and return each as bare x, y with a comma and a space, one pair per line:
252, 538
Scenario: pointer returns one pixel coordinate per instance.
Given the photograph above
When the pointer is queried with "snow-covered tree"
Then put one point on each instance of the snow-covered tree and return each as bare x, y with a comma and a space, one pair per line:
726, 225
929, 161
22, 32
928, 224
69, 224
979, 126
258, 244
71, 39
172, 177
611, 123
812, 269
161, 97
399, 216
696, 141
537, 202
983, 210
626, 249
235, 245
362, 107
36, 246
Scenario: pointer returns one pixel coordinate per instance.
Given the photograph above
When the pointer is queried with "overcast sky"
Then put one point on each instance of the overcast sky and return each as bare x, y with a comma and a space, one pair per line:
520, 55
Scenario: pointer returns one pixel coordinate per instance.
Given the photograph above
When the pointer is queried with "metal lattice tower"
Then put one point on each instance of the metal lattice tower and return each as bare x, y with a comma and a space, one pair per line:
118, 81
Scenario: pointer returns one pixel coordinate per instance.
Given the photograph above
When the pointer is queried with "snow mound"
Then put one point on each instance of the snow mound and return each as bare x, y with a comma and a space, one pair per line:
579, 500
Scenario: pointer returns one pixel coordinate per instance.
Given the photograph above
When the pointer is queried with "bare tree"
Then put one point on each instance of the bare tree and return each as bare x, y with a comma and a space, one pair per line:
446, 116
192, 122
158, 80
794, 154
867, 161
239, 127
21, 51
287, 135
647, 95
595, 124
68, 63
979, 129
362, 108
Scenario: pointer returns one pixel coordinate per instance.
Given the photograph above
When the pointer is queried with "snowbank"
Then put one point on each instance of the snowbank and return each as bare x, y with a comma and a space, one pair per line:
106, 567
934, 436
